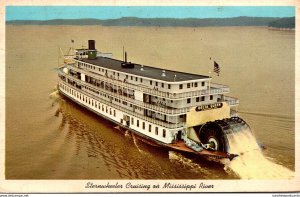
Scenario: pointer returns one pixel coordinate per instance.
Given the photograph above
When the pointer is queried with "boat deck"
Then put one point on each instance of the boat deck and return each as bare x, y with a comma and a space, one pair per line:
180, 146
147, 71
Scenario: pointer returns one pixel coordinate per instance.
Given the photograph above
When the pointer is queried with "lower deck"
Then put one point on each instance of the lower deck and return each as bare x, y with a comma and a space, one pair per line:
156, 132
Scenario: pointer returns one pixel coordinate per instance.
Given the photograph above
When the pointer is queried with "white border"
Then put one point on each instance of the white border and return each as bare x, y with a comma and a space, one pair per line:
78, 185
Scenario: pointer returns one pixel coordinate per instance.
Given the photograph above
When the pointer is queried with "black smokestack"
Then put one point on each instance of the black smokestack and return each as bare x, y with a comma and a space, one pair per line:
92, 44
125, 56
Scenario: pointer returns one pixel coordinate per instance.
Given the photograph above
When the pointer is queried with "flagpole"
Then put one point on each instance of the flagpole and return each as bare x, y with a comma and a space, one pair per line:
209, 73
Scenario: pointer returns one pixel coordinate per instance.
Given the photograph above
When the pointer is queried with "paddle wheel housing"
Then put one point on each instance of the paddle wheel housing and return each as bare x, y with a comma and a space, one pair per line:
215, 135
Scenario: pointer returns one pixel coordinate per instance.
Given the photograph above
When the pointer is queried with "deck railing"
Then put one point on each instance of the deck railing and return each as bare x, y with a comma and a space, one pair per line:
160, 109
232, 101
152, 120
214, 88
152, 107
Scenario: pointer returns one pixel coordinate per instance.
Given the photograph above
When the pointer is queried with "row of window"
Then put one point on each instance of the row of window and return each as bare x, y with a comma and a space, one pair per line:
111, 98
189, 85
162, 84
149, 127
89, 101
211, 97
107, 109
88, 89
136, 107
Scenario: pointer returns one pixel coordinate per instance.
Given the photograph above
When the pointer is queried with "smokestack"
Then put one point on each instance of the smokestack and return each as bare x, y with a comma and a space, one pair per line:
92, 44
125, 56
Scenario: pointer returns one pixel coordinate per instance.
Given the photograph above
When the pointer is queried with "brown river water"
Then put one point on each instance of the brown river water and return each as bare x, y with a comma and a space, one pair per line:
49, 137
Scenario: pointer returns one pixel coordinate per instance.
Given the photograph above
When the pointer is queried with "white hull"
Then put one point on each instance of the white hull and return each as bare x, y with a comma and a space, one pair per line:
115, 115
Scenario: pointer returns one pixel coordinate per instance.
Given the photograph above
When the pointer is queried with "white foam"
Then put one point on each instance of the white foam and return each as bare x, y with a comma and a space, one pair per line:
251, 163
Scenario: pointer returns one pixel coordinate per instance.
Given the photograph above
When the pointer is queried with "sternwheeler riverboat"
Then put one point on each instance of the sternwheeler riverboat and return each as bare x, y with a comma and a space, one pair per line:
181, 111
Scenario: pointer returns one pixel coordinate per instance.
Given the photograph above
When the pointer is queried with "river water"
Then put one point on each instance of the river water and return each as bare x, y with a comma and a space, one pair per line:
49, 137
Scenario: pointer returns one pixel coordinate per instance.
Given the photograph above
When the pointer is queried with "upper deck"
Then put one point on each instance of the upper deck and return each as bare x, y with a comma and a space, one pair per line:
144, 71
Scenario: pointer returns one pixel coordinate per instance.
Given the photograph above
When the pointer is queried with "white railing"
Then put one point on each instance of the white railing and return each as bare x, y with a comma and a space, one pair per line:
154, 121
215, 88
130, 100
219, 88
231, 101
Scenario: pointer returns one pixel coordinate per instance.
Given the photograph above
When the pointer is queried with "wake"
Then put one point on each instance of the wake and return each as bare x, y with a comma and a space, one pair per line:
251, 163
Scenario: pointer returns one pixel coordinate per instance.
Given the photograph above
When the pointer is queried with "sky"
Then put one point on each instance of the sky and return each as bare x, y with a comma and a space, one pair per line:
112, 12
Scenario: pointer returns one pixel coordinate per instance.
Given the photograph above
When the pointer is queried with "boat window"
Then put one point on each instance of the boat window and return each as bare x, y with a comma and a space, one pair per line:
156, 130
189, 100
211, 97
149, 127
162, 85
143, 125
203, 83
114, 113
150, 82
141, 80
136, 79
197, 99
164, 133
202, 98
132, 120
131, 77
188, 85
169, 86
196, 84
156, 83
180, 86
137, 123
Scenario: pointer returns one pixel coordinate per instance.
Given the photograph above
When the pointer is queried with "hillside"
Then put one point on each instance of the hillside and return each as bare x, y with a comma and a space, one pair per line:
166, 22
283, 23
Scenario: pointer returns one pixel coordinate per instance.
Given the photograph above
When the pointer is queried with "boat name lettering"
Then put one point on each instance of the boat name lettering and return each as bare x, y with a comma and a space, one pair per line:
208, 107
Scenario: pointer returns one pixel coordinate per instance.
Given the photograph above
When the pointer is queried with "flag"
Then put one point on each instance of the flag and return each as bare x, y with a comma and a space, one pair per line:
216, 68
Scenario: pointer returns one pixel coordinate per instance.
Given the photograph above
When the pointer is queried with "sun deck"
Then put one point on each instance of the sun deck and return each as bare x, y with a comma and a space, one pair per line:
144, 71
